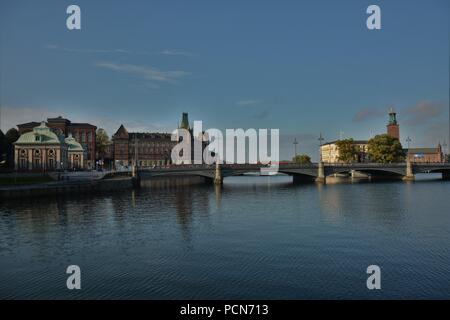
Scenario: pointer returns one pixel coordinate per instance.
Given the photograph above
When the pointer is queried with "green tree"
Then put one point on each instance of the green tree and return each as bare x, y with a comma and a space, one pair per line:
385, 149
302, 159
11, 136
347, 150
101, 142
3, 149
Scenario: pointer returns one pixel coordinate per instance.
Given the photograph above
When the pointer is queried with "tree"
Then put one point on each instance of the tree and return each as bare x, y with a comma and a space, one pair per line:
302, 159
385, 149
11, 136
347, 150
101, 142
3, 149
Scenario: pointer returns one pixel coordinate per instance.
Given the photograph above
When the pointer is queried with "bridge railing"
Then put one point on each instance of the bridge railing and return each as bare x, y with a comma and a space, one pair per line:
355, 165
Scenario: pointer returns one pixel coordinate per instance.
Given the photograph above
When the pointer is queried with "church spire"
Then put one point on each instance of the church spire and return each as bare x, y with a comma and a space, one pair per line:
184, 121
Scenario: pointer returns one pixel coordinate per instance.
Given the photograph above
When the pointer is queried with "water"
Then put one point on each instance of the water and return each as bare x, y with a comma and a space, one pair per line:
256, 238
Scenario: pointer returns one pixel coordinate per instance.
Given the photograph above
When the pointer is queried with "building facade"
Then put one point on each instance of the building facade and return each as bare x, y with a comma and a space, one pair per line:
43, 150
197, 144
83, 133
425, 155
142, 149
152, 149
330, 151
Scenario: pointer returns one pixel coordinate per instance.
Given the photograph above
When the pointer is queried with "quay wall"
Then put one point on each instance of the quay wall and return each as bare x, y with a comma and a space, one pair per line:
75, 187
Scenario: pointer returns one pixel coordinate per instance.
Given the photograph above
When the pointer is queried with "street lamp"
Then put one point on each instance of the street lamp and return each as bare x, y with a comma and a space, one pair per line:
295, 143
320, 146
444, 147
408, 140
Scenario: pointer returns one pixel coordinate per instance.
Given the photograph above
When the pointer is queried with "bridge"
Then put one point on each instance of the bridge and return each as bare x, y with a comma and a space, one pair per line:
301, 173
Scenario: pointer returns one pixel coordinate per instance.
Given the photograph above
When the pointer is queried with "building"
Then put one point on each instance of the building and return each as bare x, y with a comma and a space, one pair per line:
392, 127
196, 153
421, 155
84, 133
43, 150
144, 149
330, 151
150, 149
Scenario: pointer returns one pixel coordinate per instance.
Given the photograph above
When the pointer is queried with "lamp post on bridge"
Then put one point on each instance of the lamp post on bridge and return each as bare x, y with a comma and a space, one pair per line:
320, 168
295, 143
444, 147
408, 141
320, 147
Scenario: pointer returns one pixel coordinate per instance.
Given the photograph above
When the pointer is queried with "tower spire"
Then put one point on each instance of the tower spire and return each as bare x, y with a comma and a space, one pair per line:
393, 129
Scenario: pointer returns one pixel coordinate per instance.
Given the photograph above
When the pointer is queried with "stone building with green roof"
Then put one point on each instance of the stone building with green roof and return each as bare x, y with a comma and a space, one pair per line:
43, 150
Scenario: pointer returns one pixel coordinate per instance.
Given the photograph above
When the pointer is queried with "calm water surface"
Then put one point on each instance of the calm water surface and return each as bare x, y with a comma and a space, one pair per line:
256, 238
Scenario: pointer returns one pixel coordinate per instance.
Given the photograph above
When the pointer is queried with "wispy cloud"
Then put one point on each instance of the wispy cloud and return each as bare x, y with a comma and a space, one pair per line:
11, 116
86, 50
422, 112
147, 73
367, 113
249, 102
176, 53
166, 52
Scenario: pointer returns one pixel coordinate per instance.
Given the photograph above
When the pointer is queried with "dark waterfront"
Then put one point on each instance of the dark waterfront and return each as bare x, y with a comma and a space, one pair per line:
256, 238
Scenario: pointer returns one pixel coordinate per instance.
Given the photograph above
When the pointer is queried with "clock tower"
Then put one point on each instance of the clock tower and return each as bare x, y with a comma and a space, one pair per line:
393, 129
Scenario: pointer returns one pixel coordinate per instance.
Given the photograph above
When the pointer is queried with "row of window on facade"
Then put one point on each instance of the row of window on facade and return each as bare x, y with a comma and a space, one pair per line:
146, 150
83, 137
144, 163
47, 160
44, 150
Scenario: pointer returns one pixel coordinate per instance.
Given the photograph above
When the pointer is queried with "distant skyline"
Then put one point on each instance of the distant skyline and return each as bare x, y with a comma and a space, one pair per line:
305, 67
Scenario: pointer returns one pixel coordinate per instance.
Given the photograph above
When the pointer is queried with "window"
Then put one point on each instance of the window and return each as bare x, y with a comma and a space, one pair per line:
23, 163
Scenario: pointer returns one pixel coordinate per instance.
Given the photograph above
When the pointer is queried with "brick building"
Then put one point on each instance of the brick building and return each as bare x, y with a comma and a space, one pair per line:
147, 149
423, 155
150, 149
392, 128
84, 133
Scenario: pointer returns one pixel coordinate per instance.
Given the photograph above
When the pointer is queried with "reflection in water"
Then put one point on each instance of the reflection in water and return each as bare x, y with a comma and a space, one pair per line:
218, 194
253, 237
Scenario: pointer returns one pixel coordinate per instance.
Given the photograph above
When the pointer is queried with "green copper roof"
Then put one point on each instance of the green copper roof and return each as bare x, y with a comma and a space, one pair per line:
40, 135
184, 121
72, 144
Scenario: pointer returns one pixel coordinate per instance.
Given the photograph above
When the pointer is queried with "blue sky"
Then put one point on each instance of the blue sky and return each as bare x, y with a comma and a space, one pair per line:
304, 67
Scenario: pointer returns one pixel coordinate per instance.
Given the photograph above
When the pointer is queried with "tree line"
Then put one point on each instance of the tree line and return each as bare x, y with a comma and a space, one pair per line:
381, 149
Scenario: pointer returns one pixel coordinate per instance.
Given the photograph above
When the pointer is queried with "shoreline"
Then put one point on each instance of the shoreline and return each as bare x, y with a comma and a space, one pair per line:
66, 187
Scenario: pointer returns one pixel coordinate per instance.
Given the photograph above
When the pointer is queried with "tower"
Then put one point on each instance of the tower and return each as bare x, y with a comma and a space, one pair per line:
393, 129
184, 121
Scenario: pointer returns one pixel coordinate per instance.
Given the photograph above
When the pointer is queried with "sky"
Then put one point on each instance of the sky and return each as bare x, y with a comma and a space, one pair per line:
303, 67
